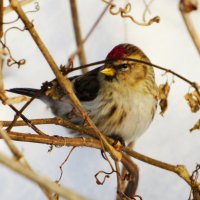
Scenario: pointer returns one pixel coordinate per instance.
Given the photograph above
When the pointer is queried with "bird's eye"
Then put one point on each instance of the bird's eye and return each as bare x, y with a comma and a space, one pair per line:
124, 67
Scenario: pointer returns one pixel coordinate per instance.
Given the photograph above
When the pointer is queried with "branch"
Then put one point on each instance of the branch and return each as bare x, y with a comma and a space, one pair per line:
19, 157
1, 18
57, 121
94, 143
186, 7
3, 98
193, 84
64, 82
88, 35
78, 35
9, 9
123, 11
180, 170
46, 183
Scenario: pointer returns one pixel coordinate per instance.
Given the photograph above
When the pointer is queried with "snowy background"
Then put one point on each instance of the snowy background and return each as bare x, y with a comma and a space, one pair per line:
168, 139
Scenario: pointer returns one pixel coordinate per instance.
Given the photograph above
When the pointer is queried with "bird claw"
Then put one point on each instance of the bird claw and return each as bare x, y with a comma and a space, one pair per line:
118, 143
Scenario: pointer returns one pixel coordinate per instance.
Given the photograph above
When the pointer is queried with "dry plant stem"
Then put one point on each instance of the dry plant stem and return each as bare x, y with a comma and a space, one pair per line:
9, 9
191, 29
1, 18
62, 164
3, 99
46, 183
19, 156
56, 121
20, 111
178, 169
147, 5
133, 179
94, 143
130, 168
119, 181
27, 121
64, 82
1, 75
77, 32
89, 33
123, 11
55, 140
23, 108
61, 141
193, 84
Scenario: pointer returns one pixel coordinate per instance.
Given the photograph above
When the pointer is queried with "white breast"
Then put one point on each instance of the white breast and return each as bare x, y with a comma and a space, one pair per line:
131, 117
140, 115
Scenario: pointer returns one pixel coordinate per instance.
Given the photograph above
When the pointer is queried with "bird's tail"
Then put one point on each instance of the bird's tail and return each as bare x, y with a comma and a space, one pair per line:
30, 92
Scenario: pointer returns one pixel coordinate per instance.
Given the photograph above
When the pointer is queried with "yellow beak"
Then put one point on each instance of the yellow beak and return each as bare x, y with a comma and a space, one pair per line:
108, 71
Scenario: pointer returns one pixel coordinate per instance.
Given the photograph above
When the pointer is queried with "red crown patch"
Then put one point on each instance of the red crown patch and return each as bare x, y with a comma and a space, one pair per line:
117, 52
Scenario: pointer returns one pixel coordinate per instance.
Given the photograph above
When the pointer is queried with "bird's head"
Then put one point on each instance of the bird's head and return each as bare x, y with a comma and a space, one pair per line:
124, 71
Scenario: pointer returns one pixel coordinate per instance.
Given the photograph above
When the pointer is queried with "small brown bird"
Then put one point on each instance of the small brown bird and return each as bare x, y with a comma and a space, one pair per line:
120, 97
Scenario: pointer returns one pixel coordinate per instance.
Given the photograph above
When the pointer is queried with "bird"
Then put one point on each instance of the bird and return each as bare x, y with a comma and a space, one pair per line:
119, 96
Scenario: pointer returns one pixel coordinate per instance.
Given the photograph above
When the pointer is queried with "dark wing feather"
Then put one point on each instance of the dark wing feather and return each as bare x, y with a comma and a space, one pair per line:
31, 92
86, 87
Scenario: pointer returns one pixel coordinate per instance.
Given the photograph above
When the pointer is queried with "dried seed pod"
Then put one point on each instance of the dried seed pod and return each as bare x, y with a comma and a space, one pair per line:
196, 126
193, 100
162, 96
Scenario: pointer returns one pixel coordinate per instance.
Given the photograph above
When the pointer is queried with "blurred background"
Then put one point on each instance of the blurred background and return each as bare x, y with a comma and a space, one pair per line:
168, 139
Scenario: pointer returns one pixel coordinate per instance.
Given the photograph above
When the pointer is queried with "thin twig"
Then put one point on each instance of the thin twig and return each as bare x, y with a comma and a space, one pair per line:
77, 32
123, 11
147, 5
178, 169
3, 99
1, 75
193, 84
24, 107
9, 9
189, 24
61, 166
72, 57
55, 120
119, 179
1, 18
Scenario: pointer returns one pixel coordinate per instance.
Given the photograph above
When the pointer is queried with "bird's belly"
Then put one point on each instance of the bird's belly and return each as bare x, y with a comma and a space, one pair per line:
136, 123
129, 120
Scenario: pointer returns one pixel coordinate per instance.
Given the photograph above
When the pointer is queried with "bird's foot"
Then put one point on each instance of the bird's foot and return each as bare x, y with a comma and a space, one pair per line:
118, 143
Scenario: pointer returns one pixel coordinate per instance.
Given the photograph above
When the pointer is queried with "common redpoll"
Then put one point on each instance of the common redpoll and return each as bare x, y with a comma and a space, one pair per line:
120, 97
